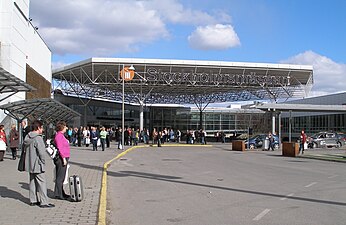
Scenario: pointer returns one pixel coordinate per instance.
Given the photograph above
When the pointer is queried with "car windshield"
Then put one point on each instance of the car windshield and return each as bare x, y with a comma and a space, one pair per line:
330, 135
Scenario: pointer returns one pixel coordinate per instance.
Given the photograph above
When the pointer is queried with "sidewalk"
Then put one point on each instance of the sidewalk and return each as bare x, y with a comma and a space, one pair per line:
328, 154
14, 192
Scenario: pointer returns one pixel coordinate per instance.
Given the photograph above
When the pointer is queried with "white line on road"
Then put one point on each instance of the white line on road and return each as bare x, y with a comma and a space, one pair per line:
289, 195
309, 185
333, 176
263, 213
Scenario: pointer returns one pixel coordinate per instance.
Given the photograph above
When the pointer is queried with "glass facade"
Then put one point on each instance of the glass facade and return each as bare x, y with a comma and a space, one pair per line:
315, 123
227, 120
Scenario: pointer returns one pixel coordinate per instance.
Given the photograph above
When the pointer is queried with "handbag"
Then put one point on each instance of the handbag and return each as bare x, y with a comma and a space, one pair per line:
52, 150
3, 145
21, 163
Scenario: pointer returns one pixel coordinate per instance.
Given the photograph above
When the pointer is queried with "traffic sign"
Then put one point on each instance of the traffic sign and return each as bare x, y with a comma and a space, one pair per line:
127, 74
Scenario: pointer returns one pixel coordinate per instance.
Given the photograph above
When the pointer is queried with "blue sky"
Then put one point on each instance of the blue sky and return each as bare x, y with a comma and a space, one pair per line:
270, 31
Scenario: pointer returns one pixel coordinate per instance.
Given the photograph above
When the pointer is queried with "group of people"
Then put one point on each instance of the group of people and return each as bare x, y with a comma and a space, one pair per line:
13, 142
86, 136
34, 149
35, 152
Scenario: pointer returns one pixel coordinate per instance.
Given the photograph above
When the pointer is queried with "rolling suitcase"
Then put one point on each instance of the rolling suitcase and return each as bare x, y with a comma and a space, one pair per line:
76, 188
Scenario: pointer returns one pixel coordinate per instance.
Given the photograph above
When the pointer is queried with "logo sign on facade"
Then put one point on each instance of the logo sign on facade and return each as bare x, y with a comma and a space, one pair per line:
193, 78
127, 74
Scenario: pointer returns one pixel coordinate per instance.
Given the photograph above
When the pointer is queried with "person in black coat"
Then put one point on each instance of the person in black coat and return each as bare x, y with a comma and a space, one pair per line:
80, 136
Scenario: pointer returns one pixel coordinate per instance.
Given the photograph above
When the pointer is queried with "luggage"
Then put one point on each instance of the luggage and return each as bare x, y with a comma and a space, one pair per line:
76, 188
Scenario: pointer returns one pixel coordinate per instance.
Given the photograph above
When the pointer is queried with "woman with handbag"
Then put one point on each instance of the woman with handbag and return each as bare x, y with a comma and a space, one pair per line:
3, 142
61, 162
14, 141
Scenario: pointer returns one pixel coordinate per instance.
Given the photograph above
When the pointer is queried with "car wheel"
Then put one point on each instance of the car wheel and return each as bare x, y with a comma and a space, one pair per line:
339, 145
252, 146
315, 145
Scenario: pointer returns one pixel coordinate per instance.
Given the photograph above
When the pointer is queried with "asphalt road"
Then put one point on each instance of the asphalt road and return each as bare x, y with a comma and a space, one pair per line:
214, 186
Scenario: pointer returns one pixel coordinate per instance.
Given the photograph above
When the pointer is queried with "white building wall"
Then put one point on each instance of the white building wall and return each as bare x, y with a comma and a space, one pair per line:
21, 44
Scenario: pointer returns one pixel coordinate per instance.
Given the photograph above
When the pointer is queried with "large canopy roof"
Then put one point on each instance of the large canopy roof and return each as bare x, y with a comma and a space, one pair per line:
10, 85
46, 109
183, 81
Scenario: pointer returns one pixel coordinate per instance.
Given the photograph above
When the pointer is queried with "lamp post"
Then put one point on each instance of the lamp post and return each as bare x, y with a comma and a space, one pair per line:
127, 73
141, 102
123, 113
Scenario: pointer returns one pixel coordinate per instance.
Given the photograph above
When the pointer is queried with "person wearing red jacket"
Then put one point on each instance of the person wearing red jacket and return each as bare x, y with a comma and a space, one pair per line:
3, 142
302, 141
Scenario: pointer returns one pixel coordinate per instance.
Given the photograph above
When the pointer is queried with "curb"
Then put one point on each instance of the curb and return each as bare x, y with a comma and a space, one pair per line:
325, 158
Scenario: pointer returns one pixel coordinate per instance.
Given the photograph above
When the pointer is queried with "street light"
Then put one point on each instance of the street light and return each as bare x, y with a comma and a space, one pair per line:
127, 73
141, 113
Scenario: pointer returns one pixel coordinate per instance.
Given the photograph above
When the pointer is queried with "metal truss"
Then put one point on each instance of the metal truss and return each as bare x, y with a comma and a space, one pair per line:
182, 84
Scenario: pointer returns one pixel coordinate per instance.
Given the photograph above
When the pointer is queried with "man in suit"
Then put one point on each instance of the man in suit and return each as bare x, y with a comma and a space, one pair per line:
35, 164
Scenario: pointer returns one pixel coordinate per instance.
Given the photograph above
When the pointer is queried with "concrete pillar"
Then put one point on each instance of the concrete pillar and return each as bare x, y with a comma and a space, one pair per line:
141, 116
273, 122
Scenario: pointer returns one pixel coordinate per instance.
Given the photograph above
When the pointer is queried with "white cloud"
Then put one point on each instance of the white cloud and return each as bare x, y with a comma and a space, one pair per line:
59, 64
214, 37
174, 12
91, 27
103, 27
329, 76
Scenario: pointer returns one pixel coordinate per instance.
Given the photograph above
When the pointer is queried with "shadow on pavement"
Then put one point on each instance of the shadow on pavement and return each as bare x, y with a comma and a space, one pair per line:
8, 193
173, 179
142, 175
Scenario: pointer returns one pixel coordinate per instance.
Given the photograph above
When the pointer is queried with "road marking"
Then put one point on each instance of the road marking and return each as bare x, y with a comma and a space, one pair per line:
260, 216
333, 176
309, 185
289, 195
103, 193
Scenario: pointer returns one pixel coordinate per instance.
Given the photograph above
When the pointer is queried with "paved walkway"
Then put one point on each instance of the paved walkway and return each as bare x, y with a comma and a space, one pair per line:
14, 187
14, 192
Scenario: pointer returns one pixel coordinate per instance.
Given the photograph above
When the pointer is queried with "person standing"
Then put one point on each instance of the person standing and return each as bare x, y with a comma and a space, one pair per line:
120, 138
35, 162
94, 137
69, 134
271, 141
14, 141
302, 141
86, 135
61, 163
3, 142
25, 129
202, 135
108, 137
178, 136
103, 136
80, 136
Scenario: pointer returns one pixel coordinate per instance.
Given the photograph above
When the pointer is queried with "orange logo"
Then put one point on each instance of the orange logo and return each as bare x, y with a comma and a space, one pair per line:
127, 74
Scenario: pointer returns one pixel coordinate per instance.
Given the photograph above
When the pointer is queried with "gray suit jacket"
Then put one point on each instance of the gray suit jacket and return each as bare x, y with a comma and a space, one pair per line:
35, 153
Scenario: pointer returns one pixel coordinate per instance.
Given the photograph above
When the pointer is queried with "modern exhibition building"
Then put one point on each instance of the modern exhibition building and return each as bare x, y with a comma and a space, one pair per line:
161, 92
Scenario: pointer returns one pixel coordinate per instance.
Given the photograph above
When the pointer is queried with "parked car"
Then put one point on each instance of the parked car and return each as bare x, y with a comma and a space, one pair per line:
342, 139
257, 141
326, 139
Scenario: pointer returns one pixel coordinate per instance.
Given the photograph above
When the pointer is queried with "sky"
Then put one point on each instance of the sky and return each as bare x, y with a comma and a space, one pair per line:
267, 31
